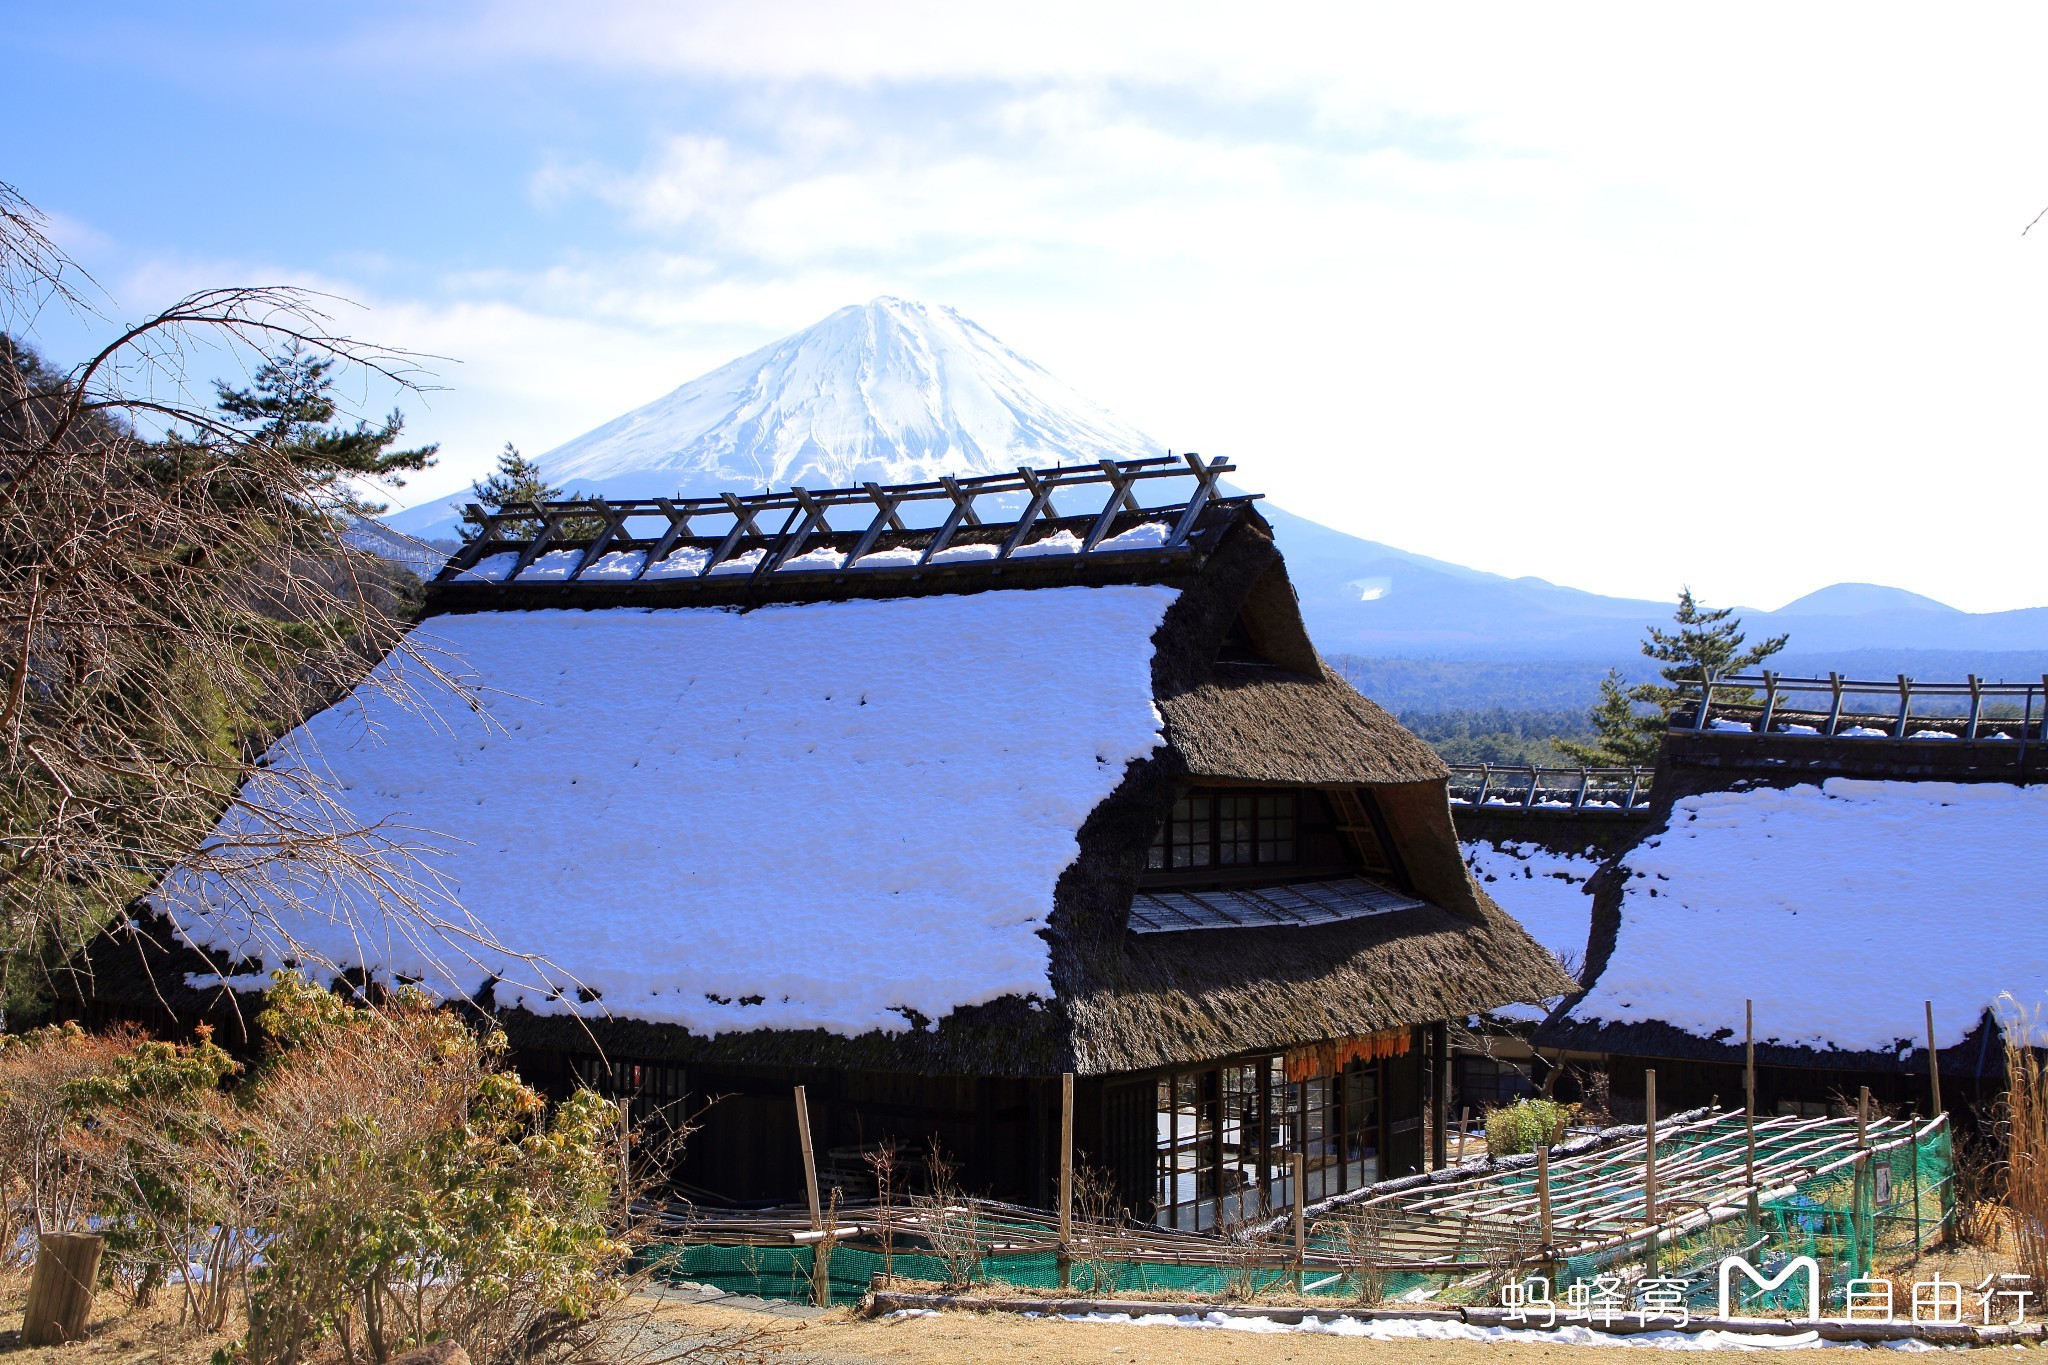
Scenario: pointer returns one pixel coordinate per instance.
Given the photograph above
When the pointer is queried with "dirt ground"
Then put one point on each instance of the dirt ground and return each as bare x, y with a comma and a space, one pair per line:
659, 1330
117, 1333
839, 1338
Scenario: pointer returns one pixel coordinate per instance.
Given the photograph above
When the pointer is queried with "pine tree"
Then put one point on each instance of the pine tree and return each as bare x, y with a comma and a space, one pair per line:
288, 408
1630, 721
518, 480
1706, 645
1628, 736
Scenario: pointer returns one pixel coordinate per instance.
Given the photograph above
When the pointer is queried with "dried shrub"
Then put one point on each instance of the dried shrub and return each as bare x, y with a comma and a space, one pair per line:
2026, 1137
180, 1190
949, 1221
1247, 1260
1360, 1232
881, 1164
1979, 1215
1099, 1219
422, 1191
45, 1179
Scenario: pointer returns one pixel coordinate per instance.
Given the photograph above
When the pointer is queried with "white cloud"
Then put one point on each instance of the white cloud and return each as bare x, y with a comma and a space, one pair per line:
1623, 296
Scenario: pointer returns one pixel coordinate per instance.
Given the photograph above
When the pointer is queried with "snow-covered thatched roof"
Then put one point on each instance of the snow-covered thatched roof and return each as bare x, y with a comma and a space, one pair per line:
1839, 908
899, 826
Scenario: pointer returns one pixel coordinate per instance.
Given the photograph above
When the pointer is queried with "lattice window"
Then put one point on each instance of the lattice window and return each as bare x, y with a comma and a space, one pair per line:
1227, 829
1227, 1135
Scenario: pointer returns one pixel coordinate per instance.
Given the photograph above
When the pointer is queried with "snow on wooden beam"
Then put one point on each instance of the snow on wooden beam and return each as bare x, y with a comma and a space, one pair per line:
526, 541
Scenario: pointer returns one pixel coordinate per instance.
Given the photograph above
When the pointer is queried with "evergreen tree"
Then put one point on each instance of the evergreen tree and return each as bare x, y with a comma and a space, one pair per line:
1627, 736
519, 480
288, 409
1706, 645
1630, 721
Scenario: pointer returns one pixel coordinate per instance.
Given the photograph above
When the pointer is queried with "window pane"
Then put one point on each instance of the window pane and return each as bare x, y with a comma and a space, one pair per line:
1276, 829
1235, 816
1189, 831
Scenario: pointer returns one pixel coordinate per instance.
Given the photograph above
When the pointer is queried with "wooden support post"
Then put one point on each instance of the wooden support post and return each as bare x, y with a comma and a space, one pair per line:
1650, 1165
1543, 1233
1933, 1062
625, 1104
803, 1137
60, 1291
1864, 1190
1464, 1123
1749, 1106
1300, 1217
1066, 1176
1440, 1097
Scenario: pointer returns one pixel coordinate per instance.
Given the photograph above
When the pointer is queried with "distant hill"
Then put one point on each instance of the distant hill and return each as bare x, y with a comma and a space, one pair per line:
896, 391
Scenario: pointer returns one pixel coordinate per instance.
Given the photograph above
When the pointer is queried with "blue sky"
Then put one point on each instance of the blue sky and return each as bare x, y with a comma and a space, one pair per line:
1617, 296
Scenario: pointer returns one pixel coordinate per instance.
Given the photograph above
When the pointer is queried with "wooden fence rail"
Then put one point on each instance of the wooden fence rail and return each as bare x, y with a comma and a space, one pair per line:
1972, 710
1528, 787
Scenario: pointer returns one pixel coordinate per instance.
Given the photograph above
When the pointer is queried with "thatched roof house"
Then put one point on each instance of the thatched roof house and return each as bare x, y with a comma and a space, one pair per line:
1839, 905
923, 816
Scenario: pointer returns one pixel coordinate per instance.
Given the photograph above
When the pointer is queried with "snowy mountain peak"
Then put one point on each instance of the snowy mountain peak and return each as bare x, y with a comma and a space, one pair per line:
891, 390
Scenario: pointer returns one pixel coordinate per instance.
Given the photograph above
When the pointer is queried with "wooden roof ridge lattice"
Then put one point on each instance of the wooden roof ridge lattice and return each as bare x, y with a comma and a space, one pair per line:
649, 539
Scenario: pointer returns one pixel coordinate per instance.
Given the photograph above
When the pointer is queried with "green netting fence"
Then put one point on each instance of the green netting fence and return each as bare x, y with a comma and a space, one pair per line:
1854, 1215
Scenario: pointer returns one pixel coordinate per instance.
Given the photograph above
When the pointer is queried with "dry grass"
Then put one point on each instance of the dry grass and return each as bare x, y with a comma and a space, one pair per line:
2027, 1157
116, 1331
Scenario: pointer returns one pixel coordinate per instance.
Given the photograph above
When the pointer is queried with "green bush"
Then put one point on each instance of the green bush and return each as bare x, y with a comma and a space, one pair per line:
1518, 1127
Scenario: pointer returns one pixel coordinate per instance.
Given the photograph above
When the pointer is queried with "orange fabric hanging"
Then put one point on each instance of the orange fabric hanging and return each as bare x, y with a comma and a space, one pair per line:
1328, 1058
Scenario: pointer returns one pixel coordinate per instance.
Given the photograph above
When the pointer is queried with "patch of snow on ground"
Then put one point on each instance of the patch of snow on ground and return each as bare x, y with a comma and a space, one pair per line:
1543, 890
1439, 1329
797, 817
1838, 909
1719, 723
1862, 732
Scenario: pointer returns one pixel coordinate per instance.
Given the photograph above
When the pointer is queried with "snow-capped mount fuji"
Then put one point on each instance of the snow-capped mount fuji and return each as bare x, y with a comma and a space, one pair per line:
895, 391
892, 391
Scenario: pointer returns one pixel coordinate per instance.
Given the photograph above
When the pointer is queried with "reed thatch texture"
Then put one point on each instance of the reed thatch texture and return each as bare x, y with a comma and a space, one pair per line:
1176, 998
1123, 1001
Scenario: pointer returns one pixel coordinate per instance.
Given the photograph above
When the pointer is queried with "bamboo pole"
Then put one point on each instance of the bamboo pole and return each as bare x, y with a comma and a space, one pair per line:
803, 1137
1066, 1176
1300, 1216
60, 1291
1749, 1105
1861, 1190
1933, 1062
1650, 1166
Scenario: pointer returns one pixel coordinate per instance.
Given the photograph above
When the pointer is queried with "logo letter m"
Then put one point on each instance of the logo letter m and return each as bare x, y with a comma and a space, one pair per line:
1795, 1266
